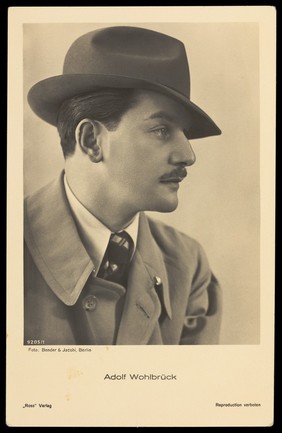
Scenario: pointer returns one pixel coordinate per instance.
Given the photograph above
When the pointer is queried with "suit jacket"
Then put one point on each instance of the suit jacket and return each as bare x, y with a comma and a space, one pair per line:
172, 296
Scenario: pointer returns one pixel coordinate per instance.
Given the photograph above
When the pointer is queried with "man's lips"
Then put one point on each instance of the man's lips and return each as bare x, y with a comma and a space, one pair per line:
176, 175
172, 179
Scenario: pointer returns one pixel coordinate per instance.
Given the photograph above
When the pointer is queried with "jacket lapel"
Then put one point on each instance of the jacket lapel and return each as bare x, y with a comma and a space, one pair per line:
54, 243
142, 305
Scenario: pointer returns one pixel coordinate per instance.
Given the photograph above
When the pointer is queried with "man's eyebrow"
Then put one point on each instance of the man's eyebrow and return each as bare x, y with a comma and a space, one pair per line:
161, 115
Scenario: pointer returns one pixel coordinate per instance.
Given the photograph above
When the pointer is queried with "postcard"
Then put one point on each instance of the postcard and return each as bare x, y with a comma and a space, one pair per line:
141, 202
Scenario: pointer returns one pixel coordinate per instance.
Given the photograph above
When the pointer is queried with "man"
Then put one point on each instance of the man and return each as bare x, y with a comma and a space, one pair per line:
97, 269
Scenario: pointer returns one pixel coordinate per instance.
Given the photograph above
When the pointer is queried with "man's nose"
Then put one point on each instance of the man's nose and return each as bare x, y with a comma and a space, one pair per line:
182, 153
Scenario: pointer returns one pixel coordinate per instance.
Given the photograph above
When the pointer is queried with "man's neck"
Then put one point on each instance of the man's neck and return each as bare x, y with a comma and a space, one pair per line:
114, 216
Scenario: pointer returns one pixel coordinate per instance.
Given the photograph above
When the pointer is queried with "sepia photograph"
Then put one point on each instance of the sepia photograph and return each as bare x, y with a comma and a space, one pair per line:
142, 197
98, 270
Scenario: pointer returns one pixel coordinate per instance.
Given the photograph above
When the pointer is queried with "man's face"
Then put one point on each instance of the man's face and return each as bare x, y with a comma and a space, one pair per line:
145, 157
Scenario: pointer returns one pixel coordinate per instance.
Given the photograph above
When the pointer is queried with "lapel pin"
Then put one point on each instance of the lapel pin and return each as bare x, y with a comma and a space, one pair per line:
157, 280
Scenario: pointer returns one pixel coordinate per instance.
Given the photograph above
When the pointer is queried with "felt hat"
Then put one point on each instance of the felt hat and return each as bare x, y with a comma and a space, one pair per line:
122, 57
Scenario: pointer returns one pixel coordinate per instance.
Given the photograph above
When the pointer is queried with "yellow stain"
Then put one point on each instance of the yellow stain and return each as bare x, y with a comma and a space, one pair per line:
68, 396
74, 373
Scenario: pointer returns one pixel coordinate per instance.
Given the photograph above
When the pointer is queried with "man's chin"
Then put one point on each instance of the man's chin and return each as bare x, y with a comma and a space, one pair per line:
166, 207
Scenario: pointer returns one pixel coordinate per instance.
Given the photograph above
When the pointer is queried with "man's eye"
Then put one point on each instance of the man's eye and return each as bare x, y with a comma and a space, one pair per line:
161, 132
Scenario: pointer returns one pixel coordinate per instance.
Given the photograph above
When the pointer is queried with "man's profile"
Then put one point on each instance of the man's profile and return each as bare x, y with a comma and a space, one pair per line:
97, 269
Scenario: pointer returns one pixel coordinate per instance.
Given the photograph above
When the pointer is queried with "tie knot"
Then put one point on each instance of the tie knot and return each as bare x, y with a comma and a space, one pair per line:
120, 248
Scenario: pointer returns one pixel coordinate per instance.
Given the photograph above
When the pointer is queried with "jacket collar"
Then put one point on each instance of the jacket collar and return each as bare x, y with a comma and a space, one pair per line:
60, 256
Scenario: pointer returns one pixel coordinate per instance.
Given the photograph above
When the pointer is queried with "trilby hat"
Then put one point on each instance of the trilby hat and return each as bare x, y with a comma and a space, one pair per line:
122, 57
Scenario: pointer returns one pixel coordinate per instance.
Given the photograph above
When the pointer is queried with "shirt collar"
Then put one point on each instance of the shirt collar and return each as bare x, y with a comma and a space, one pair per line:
94, 234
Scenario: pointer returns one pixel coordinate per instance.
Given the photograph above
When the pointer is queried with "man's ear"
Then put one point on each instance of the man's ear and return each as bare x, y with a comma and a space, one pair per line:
88, 137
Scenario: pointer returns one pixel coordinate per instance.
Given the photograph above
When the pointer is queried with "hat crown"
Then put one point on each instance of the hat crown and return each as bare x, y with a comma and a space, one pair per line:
132, 52
122, 57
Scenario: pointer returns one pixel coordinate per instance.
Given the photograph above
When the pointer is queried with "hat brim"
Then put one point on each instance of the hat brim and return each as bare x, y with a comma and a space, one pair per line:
46, 97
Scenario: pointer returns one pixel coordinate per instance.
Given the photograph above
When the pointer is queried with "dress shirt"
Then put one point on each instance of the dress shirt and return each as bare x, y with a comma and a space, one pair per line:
94, 234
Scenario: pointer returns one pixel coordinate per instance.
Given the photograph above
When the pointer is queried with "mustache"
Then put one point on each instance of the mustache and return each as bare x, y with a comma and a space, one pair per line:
179, 172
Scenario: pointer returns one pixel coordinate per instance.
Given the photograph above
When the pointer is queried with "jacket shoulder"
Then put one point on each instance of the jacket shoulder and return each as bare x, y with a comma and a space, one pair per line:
40, 197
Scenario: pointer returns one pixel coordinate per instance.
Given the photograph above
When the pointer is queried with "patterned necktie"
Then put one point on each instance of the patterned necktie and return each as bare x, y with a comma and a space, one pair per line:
115, 263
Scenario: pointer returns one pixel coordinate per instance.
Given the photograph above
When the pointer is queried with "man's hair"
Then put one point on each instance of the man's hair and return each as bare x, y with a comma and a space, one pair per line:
106, 105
